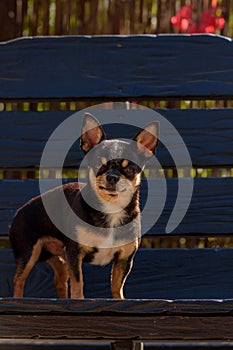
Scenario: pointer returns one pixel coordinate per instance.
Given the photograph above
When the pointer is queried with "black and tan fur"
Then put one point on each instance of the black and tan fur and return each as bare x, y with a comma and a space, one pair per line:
111, 163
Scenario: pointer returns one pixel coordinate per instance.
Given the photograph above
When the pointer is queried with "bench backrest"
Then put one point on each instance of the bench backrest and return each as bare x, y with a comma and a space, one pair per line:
44, 80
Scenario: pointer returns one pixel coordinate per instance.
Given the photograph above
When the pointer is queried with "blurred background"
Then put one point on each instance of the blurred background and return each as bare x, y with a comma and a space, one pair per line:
93, 17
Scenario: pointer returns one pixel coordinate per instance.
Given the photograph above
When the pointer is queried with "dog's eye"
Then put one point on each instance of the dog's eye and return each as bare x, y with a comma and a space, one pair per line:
132, 169
129, 169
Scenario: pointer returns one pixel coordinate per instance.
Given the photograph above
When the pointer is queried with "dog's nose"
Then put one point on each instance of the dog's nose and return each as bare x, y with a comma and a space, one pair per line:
113, 177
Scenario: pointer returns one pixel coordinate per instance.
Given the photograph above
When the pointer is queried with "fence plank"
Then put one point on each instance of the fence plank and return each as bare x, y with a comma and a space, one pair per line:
157, 274
207, 135
24, 71
210, 211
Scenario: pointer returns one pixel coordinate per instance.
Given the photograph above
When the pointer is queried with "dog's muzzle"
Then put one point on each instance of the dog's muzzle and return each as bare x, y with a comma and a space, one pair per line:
112, 177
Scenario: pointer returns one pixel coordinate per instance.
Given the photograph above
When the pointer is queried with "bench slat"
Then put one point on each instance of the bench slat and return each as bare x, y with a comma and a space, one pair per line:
161, 324
118, 328
206, 133
210, 211
44, 306
188, 345
156, 274
61, 344
123, 67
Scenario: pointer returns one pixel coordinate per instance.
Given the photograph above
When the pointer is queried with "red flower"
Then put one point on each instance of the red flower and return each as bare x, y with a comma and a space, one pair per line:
210, 20
183, 18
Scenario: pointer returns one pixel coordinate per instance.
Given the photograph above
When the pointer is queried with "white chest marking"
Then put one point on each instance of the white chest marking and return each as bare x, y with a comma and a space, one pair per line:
116, 219
92, 238
104, 256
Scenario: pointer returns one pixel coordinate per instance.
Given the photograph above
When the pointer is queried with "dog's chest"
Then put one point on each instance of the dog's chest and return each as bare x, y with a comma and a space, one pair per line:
100, 247
104, 256
115, 219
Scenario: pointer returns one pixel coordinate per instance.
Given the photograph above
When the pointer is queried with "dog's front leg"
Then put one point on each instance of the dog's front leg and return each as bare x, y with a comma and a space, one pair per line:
74, 261
76, 281
120, 271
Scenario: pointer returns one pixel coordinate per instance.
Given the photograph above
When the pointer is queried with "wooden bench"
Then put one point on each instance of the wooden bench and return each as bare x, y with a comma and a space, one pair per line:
176, 298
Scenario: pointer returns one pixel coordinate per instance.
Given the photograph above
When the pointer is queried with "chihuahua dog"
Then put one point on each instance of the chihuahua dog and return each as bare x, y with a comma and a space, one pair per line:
108, 229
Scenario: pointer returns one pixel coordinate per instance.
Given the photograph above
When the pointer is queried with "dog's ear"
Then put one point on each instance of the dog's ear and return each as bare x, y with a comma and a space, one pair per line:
147, 139
92, 133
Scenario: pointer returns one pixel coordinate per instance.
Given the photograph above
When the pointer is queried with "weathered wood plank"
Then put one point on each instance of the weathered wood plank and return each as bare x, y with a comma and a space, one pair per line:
187, 345
210, 211
24, 69
115, 307
156, 274
206, 133
61, 344
87, 327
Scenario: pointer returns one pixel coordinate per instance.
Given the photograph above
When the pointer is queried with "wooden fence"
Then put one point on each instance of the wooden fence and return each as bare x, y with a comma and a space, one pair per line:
72, 17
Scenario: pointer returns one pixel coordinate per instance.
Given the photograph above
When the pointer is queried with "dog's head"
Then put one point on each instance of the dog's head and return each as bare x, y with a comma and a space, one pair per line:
115, 166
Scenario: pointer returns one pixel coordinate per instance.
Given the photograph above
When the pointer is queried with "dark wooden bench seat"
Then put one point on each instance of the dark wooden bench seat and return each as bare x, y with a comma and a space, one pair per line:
175, 298
108, 319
